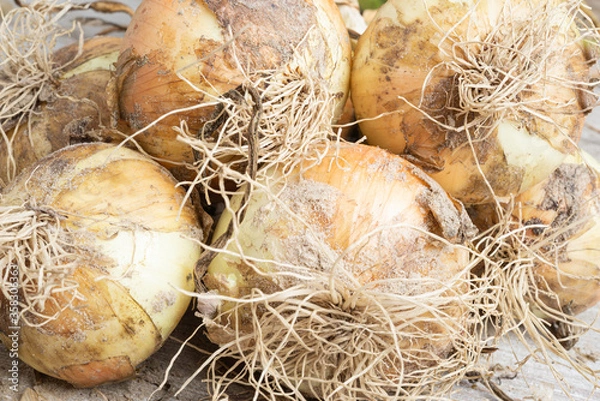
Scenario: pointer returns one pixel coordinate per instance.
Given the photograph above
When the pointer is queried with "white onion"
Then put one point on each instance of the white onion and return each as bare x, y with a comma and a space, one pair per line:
101, 249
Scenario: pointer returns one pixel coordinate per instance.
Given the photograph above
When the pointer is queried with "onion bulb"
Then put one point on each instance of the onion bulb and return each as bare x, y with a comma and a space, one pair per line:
543, 253
346, 277
181, 61
356, 25
76, 107
488, 97
98, 252
562, 214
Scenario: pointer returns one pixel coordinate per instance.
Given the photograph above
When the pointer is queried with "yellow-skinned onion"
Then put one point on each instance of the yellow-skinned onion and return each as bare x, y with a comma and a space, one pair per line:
98, 251
349, 270
356, 25
77, 108
499, 86
563, 212
181, 54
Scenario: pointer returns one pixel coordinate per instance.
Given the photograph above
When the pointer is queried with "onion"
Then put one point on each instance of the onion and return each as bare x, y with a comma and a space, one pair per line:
346, 277
488, 97
556, 229
75, 109
356, 25
563, 212
98, 253
180, 59
541, 259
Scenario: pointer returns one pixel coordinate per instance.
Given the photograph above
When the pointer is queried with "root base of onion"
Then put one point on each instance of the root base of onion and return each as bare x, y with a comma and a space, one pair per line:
510, 271
319, 339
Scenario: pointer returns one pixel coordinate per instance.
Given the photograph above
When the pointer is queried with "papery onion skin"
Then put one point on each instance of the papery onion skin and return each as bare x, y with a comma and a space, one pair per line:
78, 109
556, 225
137, 246
338, 204
567, 202
167, 37
403, 44
353, 19
356, 25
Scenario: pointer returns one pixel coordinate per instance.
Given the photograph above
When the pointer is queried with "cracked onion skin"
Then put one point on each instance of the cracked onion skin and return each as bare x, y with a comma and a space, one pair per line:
405, 43
168, 37
78, 108
136, 247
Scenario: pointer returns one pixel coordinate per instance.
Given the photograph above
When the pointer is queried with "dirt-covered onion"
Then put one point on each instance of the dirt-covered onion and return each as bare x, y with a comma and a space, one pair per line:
563, 212
350, 270
74, 109
183, 58
97, 253
555, 230
487, 96
541, 261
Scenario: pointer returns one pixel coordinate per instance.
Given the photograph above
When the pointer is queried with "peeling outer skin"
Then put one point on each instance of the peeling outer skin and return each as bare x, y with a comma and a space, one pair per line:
569, 197
128, 275
96, 53
79, 111
393, 59
193, 38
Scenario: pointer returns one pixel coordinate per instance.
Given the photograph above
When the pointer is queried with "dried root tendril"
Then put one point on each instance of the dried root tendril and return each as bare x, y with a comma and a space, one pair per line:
301, 342
30, 36
272, 119
494, 77
510, 259
36, 251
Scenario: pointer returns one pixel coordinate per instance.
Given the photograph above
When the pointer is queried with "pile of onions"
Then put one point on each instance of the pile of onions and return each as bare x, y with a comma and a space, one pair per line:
488, 97
98, 252
188, 63
75, 108
347, 278
334, 270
